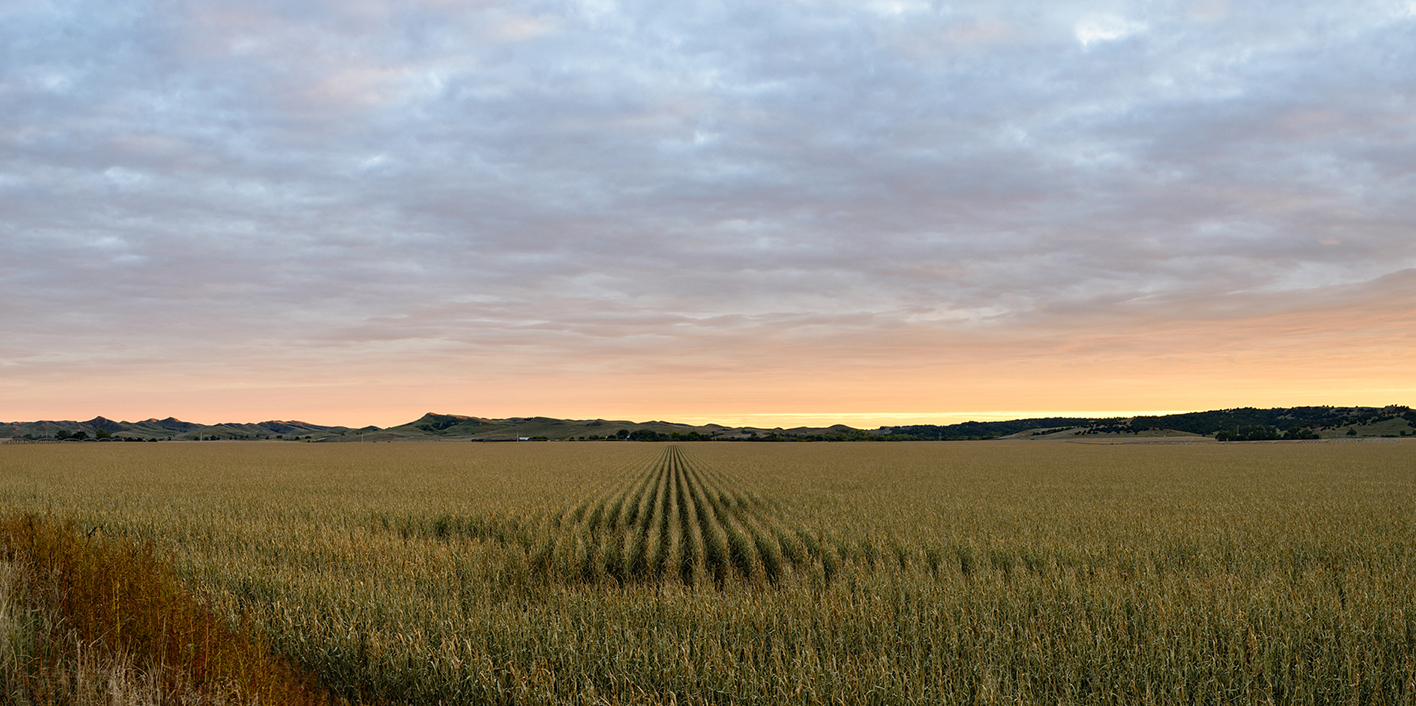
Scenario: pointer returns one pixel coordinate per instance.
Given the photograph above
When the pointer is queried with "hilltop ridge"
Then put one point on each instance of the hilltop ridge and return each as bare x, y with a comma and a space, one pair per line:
1246, 423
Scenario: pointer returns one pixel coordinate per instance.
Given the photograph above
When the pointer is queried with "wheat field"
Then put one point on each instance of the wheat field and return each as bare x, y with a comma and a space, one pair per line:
997, 572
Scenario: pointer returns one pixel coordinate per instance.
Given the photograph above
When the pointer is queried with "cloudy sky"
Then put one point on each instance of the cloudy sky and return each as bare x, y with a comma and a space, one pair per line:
357, 211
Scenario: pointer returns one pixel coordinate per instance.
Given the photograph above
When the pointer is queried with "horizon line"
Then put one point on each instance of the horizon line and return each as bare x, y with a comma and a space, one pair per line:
770, 420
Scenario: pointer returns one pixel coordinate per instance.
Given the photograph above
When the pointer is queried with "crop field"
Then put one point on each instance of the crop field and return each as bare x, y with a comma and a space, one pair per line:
723, 573
675, 522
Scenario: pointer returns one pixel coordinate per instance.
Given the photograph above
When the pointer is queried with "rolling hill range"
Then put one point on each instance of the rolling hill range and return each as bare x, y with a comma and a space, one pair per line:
1240, 424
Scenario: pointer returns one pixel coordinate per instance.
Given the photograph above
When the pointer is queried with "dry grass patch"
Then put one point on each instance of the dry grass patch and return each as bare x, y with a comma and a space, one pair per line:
92, 620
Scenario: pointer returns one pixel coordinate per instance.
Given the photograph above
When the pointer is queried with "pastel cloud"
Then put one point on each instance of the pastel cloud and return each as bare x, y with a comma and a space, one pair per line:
1106, 28
620, 208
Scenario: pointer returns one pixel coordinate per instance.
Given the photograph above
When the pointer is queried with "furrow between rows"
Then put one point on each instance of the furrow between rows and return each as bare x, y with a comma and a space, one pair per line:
676, 520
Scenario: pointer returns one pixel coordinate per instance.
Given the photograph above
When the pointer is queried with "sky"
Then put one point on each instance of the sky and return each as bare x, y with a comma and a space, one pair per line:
775, 213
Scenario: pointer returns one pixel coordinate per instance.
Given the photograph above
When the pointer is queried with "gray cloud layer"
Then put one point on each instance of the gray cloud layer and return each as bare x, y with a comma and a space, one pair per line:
284, 183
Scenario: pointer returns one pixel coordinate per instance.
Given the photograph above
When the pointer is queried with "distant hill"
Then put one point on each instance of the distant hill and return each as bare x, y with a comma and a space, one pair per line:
1323, 421
452, 426
1240, 423
169, 429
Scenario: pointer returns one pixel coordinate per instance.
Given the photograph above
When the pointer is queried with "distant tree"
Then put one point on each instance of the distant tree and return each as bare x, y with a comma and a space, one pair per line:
102, 434
62, 434
80, 435
623, 433
1352, 432
1256, 432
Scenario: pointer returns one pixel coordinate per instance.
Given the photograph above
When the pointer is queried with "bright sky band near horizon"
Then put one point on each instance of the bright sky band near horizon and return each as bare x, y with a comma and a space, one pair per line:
773, 213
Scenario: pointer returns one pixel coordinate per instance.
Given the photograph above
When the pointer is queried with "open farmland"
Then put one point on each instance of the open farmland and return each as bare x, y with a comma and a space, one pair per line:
782, 573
